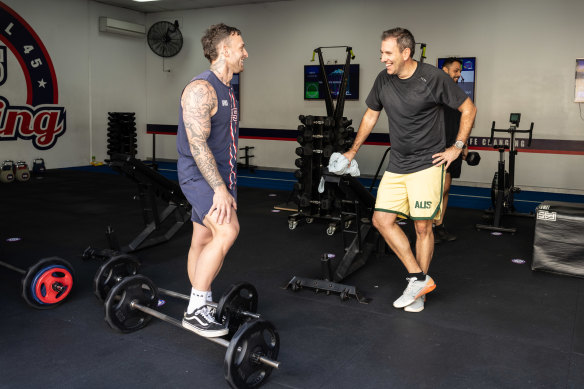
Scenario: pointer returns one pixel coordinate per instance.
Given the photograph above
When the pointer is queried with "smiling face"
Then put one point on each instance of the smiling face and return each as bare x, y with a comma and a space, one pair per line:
453, 70
392, 57
235, 53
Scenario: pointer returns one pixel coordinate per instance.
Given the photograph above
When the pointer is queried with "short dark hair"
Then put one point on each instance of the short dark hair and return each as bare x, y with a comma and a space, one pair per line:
450, 60
215, 35
405, 39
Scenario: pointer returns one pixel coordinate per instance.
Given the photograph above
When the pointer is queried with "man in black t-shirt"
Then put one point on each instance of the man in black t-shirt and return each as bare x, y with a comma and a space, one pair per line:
451, 66
412, 94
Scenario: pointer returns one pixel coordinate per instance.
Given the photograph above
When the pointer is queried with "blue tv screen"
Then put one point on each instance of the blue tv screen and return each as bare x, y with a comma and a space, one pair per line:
314, 83
466, 82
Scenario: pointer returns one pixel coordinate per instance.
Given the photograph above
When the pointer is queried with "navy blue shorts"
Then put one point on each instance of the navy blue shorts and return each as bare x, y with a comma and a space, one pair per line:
200, 196
455, 167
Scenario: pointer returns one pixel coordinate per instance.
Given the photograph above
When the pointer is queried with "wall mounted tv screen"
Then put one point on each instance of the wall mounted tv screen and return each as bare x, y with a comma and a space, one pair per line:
314, 84
467, 79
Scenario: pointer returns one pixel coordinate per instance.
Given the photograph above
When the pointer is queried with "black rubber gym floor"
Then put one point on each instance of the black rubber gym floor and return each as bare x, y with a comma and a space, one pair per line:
491, 323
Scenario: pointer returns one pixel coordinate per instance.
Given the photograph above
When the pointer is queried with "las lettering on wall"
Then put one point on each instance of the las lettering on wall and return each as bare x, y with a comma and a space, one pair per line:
39, 119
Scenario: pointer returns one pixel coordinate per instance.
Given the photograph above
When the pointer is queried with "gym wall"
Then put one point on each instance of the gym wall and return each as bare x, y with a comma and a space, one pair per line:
525, 53
96, 72
513, 73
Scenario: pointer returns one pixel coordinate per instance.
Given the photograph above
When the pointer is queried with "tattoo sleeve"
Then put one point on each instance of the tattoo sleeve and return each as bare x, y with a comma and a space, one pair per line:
198, 102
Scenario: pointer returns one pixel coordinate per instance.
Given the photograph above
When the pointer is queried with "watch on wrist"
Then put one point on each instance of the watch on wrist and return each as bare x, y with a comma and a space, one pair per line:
459, 144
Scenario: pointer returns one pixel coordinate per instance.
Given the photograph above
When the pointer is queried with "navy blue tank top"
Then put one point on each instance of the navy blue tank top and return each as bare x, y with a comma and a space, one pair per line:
223, 138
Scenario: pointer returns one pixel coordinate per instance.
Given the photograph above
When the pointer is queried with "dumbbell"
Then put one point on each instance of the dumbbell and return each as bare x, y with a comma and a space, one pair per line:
473, 158
305, 135
343, 131
21, 171
329, 122
46, 283
237, 305
305, 201
251, 353
308, 120
7, 172
305, 150
346, 122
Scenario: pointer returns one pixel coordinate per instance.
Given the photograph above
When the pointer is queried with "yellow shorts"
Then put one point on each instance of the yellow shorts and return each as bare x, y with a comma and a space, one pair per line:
416, 195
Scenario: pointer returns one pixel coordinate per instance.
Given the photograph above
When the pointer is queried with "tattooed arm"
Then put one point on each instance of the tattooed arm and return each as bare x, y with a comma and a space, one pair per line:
199, 104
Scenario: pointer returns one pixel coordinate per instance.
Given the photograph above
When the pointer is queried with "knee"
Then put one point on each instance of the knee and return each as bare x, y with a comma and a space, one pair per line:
424, 229
228, 233
381, 221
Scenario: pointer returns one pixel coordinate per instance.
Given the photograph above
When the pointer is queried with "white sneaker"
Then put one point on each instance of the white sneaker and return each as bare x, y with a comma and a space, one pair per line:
414, 290
417, 305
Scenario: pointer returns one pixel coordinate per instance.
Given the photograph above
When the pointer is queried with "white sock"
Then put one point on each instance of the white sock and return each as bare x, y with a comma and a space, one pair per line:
209, 297
197, 300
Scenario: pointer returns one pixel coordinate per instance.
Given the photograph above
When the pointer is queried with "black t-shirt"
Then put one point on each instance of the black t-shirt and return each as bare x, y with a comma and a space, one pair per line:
414, 110
451, 124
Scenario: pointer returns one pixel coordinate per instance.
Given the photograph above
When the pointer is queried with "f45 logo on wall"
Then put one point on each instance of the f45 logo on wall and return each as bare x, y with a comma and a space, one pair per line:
40, 119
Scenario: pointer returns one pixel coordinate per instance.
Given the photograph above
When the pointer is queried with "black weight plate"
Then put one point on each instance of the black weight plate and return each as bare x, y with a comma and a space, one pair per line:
112, 272
241, 366
119, 313
495, 188
36, 270
237, 298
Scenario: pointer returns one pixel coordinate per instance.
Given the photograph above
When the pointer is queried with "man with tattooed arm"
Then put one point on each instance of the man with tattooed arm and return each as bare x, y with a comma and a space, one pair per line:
208, 131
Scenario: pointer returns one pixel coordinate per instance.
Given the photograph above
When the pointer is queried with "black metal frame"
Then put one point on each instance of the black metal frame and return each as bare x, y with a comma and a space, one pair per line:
152, 187
502, 205
357, 210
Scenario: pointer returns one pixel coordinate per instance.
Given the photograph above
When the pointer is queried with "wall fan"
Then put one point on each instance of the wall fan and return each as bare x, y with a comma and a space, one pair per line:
165, 38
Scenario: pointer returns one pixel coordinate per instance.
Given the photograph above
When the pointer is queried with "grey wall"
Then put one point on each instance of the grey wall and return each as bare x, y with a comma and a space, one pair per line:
525, 51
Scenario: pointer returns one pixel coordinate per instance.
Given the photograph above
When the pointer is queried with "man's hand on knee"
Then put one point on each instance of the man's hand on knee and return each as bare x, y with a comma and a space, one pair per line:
223, 204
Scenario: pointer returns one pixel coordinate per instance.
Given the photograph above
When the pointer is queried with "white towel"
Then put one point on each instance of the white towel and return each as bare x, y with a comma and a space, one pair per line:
339, 164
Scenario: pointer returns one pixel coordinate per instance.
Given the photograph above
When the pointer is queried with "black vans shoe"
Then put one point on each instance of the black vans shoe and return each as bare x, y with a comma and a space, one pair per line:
203, 323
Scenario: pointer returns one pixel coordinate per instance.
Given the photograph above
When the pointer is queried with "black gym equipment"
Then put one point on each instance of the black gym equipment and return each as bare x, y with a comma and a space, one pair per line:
38, 167
503, 186
251, 353
121, 133
356, 204
473, 158
237, 305
153, 187
319, 137
112, 271
246, 157
47, 283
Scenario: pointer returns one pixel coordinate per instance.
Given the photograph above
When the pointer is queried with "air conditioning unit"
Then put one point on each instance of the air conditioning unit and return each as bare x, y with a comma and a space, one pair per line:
120, 27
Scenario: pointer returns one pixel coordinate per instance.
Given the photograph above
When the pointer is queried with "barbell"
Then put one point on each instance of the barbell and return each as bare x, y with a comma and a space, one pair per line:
47, 283
237, 305
251, 353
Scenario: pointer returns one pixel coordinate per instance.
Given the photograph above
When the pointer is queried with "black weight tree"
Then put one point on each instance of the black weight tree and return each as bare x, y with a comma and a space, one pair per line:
319, 137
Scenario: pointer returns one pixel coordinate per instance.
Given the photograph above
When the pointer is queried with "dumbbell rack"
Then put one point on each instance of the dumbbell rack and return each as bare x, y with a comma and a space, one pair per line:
121, 133
319, 138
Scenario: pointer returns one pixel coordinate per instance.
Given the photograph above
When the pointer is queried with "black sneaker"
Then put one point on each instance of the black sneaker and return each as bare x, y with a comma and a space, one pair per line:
443, 234
203, 323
